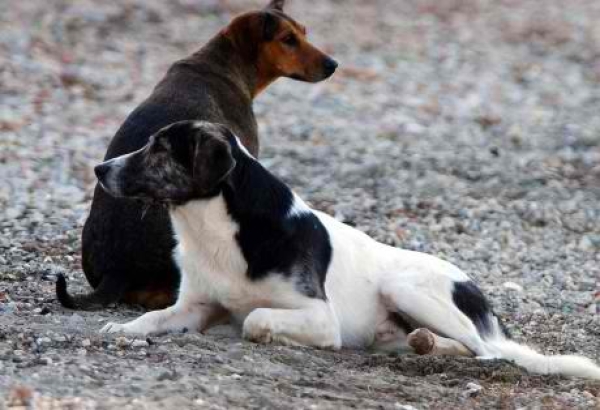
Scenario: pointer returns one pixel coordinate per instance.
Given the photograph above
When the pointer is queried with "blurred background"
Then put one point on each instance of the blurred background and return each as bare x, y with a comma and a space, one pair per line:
464, 128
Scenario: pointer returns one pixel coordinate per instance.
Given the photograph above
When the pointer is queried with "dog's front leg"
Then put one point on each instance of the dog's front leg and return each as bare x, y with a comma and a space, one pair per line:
179, 317
315, 325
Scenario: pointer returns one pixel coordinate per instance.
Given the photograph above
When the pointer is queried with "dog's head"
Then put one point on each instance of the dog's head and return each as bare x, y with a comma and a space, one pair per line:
278, 46
184, 161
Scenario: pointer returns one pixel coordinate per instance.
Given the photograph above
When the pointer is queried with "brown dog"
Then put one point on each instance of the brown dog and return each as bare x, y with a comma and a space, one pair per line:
126, 245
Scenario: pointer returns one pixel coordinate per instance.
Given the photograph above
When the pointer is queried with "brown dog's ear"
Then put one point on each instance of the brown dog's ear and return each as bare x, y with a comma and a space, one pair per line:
270, 25
276, 5
213, 162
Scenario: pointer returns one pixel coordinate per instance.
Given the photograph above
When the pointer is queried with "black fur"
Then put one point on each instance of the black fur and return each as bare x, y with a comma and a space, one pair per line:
471, 301
270, 240
101, 296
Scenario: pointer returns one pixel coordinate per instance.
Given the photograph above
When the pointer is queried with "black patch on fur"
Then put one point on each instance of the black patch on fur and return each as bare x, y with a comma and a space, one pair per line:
471, 301
271, 241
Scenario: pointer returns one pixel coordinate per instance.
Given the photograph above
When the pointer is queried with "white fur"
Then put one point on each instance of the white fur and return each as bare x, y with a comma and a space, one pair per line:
365, 282
242, 147
298, 207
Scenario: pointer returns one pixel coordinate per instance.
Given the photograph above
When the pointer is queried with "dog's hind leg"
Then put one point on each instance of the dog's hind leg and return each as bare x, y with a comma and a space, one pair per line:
434, 310
315, 325
424, 342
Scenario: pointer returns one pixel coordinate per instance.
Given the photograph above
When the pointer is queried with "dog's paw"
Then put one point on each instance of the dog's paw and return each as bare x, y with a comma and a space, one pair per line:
258, 327
112, 327
422, 341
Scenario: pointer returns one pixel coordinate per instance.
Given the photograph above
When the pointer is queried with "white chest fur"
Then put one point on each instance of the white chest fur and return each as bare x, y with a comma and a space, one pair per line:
213, 266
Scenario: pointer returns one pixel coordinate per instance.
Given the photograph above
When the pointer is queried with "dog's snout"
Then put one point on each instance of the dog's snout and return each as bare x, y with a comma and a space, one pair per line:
329, 65
101, 171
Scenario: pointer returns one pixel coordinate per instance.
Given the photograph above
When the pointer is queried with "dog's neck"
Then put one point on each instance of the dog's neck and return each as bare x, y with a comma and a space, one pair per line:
249, 195
221, 57
251, 190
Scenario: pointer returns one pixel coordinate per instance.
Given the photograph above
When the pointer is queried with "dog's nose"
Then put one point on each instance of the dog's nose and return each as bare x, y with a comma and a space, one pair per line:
329, 65
101, 170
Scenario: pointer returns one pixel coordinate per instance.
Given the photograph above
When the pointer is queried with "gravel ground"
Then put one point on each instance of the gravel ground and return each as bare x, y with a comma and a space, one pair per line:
463, 128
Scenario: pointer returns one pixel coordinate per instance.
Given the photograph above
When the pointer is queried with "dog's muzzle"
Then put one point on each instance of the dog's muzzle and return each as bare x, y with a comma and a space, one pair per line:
329, 66
106, 174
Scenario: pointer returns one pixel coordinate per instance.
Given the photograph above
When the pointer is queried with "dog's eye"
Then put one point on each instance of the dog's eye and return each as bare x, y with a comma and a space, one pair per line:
290, 40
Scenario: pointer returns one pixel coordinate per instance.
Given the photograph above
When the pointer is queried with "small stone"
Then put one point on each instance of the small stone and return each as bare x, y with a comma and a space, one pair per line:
168, 375
86, 343
43, 341
414, 128
587, 394
513, 286
122, 342
139, 343
45, 361
472, 390
404, 406
75, 320
9, 307
20, 396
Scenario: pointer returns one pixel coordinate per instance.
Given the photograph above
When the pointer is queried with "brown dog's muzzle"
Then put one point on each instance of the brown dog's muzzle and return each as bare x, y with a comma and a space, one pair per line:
329, 66
321, 67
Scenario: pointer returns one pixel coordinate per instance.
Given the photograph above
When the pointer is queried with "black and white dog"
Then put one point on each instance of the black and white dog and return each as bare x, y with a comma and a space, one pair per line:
253, 252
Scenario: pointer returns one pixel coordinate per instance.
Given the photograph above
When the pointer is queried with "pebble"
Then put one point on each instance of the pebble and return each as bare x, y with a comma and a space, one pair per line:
139, 343
75, 320
513, 286
45, 361
404, 406
587, 394
122, 342
472, 389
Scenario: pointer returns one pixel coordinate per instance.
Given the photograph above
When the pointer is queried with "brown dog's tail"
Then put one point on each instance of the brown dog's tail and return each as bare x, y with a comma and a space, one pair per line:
108, 291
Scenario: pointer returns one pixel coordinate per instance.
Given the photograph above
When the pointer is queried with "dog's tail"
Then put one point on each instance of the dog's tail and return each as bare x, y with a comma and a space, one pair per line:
496, 339
534, 362
108, 291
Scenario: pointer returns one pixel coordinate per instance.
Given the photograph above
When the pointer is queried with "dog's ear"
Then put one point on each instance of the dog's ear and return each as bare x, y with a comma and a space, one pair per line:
213, 162
270, 25
276, 5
